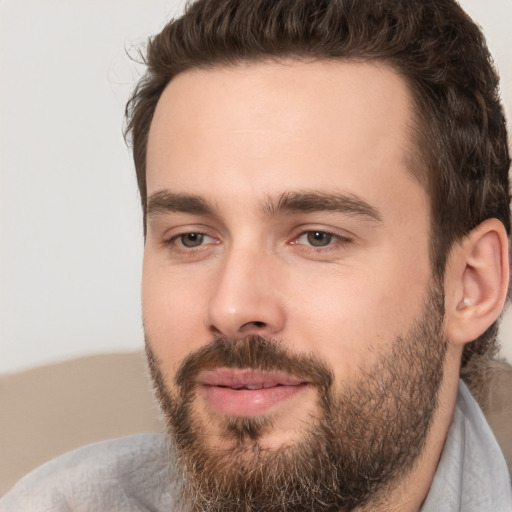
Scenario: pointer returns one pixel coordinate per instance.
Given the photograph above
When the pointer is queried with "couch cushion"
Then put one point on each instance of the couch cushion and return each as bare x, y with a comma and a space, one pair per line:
49, 410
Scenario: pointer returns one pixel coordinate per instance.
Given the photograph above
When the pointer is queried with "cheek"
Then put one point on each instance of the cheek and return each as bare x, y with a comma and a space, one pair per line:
349, 317
173, 312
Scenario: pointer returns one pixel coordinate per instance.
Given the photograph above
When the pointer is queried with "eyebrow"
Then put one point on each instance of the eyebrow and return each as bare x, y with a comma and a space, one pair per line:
168, 202
309, 202
287, 203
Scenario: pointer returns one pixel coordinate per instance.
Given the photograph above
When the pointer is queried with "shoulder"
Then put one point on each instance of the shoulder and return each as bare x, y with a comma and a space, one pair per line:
471, 474
116, 475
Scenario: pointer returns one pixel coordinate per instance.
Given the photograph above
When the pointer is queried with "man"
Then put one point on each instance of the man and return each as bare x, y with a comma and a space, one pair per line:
326, 209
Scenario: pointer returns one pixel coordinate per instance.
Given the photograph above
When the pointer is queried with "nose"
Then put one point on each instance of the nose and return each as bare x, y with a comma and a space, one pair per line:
247, 296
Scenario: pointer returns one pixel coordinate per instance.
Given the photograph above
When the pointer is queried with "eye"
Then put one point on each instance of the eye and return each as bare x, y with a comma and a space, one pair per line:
189, 245
191, 240
316, 238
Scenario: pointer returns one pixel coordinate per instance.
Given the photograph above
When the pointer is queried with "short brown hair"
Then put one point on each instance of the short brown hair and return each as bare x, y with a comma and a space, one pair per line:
460, 132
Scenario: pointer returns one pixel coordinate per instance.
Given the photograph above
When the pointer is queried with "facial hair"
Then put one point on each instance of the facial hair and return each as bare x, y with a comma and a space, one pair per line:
367, 434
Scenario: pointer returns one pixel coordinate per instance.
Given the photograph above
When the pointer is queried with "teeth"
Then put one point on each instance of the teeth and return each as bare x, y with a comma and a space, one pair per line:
253, 386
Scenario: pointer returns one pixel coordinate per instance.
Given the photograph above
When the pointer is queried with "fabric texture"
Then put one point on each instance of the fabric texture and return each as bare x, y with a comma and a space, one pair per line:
133, 474
472, 474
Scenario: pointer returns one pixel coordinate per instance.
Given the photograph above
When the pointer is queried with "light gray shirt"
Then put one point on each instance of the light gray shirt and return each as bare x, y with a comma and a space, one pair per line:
132, 474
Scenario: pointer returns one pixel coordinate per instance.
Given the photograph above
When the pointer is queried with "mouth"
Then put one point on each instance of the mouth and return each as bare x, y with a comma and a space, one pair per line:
243, 393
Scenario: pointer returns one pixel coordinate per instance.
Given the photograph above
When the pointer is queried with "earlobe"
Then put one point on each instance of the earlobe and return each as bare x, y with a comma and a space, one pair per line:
476, 282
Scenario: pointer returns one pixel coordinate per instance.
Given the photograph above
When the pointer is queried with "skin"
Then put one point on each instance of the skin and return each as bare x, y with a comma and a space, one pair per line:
240, 138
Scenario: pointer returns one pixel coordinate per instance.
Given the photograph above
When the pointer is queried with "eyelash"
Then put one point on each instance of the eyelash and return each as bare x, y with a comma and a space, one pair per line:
176, 239
333, 240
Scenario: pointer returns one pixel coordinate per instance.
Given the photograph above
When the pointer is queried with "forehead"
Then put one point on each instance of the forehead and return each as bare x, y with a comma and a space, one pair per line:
273, 126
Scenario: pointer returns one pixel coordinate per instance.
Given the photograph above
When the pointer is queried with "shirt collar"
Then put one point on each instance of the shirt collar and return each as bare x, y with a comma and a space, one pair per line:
472, 474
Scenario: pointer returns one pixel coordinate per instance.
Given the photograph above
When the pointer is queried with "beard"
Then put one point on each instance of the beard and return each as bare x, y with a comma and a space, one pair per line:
364, 436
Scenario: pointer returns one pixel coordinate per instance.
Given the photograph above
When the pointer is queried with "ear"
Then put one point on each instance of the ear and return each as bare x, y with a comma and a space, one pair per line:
476, 282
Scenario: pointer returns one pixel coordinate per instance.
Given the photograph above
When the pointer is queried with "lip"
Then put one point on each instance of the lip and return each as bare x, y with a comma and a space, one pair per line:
247, 392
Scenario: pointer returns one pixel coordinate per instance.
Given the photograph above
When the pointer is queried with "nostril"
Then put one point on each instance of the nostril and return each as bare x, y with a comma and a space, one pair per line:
254, 325
215, 331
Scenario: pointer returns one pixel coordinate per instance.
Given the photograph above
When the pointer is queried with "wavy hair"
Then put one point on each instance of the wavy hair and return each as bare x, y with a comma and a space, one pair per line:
459, 130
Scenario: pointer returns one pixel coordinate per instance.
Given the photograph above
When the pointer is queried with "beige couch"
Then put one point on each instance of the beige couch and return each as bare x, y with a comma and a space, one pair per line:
52, 409
49, 410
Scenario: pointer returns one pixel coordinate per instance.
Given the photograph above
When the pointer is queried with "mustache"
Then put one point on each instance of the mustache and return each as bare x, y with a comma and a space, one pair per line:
255, 353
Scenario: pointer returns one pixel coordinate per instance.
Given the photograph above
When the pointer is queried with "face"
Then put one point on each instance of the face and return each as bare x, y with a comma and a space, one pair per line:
286, 268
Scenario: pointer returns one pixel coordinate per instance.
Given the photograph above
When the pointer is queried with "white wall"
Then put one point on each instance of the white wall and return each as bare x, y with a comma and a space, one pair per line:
70, 224
71, 240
